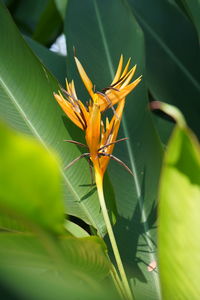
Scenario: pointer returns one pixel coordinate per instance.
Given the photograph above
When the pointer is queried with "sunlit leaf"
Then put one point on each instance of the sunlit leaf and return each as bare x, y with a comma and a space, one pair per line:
179, 216
75, 229
29, 183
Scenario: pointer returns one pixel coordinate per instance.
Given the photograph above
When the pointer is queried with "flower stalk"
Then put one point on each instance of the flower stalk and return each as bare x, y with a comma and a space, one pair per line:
99, 183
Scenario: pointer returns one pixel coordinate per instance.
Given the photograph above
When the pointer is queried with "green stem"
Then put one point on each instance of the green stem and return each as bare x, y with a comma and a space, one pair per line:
99, 183
117, 282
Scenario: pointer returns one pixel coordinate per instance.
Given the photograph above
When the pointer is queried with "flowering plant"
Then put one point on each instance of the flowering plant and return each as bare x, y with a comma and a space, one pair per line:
100, 138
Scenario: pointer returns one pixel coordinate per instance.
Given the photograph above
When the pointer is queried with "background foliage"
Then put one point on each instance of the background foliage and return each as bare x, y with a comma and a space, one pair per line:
162, 38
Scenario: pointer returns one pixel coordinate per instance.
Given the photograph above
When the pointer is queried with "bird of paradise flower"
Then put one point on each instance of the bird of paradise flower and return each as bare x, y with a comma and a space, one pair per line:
101, 138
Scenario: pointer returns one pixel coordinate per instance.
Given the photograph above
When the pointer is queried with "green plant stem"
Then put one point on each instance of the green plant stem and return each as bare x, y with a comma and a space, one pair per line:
117, 282
99, 183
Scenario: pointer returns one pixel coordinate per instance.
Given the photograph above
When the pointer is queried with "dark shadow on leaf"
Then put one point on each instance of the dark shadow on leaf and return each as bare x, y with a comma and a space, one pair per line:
90, 193
129, 233
87, 185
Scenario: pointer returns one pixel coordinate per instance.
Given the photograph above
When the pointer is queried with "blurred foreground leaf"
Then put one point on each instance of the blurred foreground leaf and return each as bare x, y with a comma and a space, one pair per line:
80, 256
29, 182
73, 271
179, 214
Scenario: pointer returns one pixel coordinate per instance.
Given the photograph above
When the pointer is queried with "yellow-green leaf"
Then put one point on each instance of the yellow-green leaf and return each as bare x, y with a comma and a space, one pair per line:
179, 217
29, 183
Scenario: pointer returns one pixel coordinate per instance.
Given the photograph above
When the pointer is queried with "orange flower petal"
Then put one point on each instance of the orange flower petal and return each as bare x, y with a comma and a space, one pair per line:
93, 131
126, 68
68, 109
117, 96
86, 80
111, 135
119, 70
128, 77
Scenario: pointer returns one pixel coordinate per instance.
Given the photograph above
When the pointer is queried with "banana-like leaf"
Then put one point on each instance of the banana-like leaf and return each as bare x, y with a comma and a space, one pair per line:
72, 262
27, 103
179, 216
173, 56
85, 255
108, 29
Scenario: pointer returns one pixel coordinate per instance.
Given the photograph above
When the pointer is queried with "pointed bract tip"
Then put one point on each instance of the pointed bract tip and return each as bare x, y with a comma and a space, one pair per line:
74, 50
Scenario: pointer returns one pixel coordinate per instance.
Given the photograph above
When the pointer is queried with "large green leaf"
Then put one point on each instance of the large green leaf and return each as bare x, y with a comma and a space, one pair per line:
179, 216
27, 103
29, 183
173, 57
83, 256
23, 285
76, 268
108, 29
88, 254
